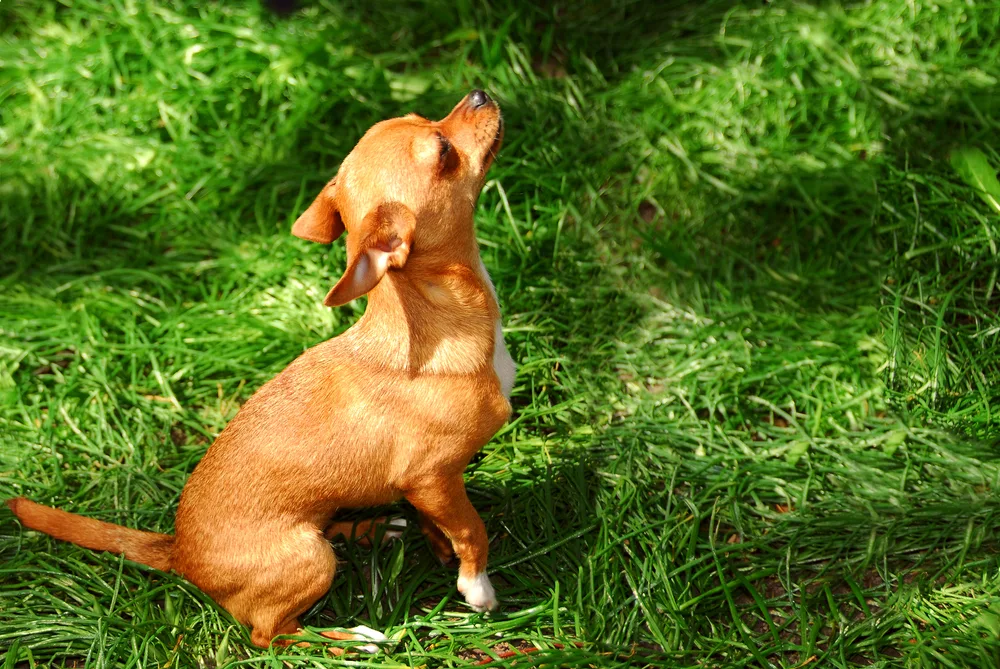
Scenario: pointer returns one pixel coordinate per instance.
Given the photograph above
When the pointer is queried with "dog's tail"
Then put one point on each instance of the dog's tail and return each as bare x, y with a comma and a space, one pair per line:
148, 548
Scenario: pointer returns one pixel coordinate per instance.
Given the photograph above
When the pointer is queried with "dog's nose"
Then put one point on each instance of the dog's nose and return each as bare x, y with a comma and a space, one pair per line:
478, 98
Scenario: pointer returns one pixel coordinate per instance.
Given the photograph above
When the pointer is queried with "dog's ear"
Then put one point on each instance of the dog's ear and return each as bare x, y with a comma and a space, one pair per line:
383, 241
321, 222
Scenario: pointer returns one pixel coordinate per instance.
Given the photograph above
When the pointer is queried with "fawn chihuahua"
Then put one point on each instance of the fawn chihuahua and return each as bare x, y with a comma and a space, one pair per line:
395, 407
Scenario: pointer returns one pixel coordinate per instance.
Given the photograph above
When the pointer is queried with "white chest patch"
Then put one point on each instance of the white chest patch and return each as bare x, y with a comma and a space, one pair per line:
503, 364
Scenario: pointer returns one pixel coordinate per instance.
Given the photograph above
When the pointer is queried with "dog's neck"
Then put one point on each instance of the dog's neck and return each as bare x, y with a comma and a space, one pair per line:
437, 315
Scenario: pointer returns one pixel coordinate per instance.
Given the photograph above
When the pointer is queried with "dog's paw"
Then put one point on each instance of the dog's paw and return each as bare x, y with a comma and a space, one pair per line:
478, 592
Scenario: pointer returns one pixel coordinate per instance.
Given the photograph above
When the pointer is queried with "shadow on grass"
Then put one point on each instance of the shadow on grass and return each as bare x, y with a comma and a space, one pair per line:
562, 36
769, 577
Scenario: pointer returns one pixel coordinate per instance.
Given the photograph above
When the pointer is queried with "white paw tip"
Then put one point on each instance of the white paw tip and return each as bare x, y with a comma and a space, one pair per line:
478, 592
368, 633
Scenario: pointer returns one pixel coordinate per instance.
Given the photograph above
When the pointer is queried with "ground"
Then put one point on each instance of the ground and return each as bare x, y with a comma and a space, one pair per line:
747, 258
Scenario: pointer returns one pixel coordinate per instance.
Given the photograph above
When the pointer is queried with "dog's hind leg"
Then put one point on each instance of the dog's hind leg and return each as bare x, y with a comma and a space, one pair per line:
286, 579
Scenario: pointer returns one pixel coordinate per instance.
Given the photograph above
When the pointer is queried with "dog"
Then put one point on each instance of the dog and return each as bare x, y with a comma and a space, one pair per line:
395, 407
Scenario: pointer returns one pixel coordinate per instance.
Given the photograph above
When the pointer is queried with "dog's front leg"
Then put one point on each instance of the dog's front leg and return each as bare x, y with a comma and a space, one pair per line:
443, 502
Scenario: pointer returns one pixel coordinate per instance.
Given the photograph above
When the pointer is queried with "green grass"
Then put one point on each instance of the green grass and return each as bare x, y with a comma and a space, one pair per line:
754, 304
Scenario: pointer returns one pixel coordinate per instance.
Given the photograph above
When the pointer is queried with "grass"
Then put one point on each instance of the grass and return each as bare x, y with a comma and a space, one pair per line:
753, 300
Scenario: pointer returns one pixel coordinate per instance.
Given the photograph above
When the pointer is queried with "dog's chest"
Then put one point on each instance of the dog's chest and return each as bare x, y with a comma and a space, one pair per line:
503, 364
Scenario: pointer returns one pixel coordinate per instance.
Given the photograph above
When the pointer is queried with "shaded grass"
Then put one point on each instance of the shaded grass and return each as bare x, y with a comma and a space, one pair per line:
752, 304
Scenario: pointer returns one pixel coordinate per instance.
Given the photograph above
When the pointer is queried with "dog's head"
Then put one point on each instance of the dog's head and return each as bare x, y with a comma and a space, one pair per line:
409, 182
